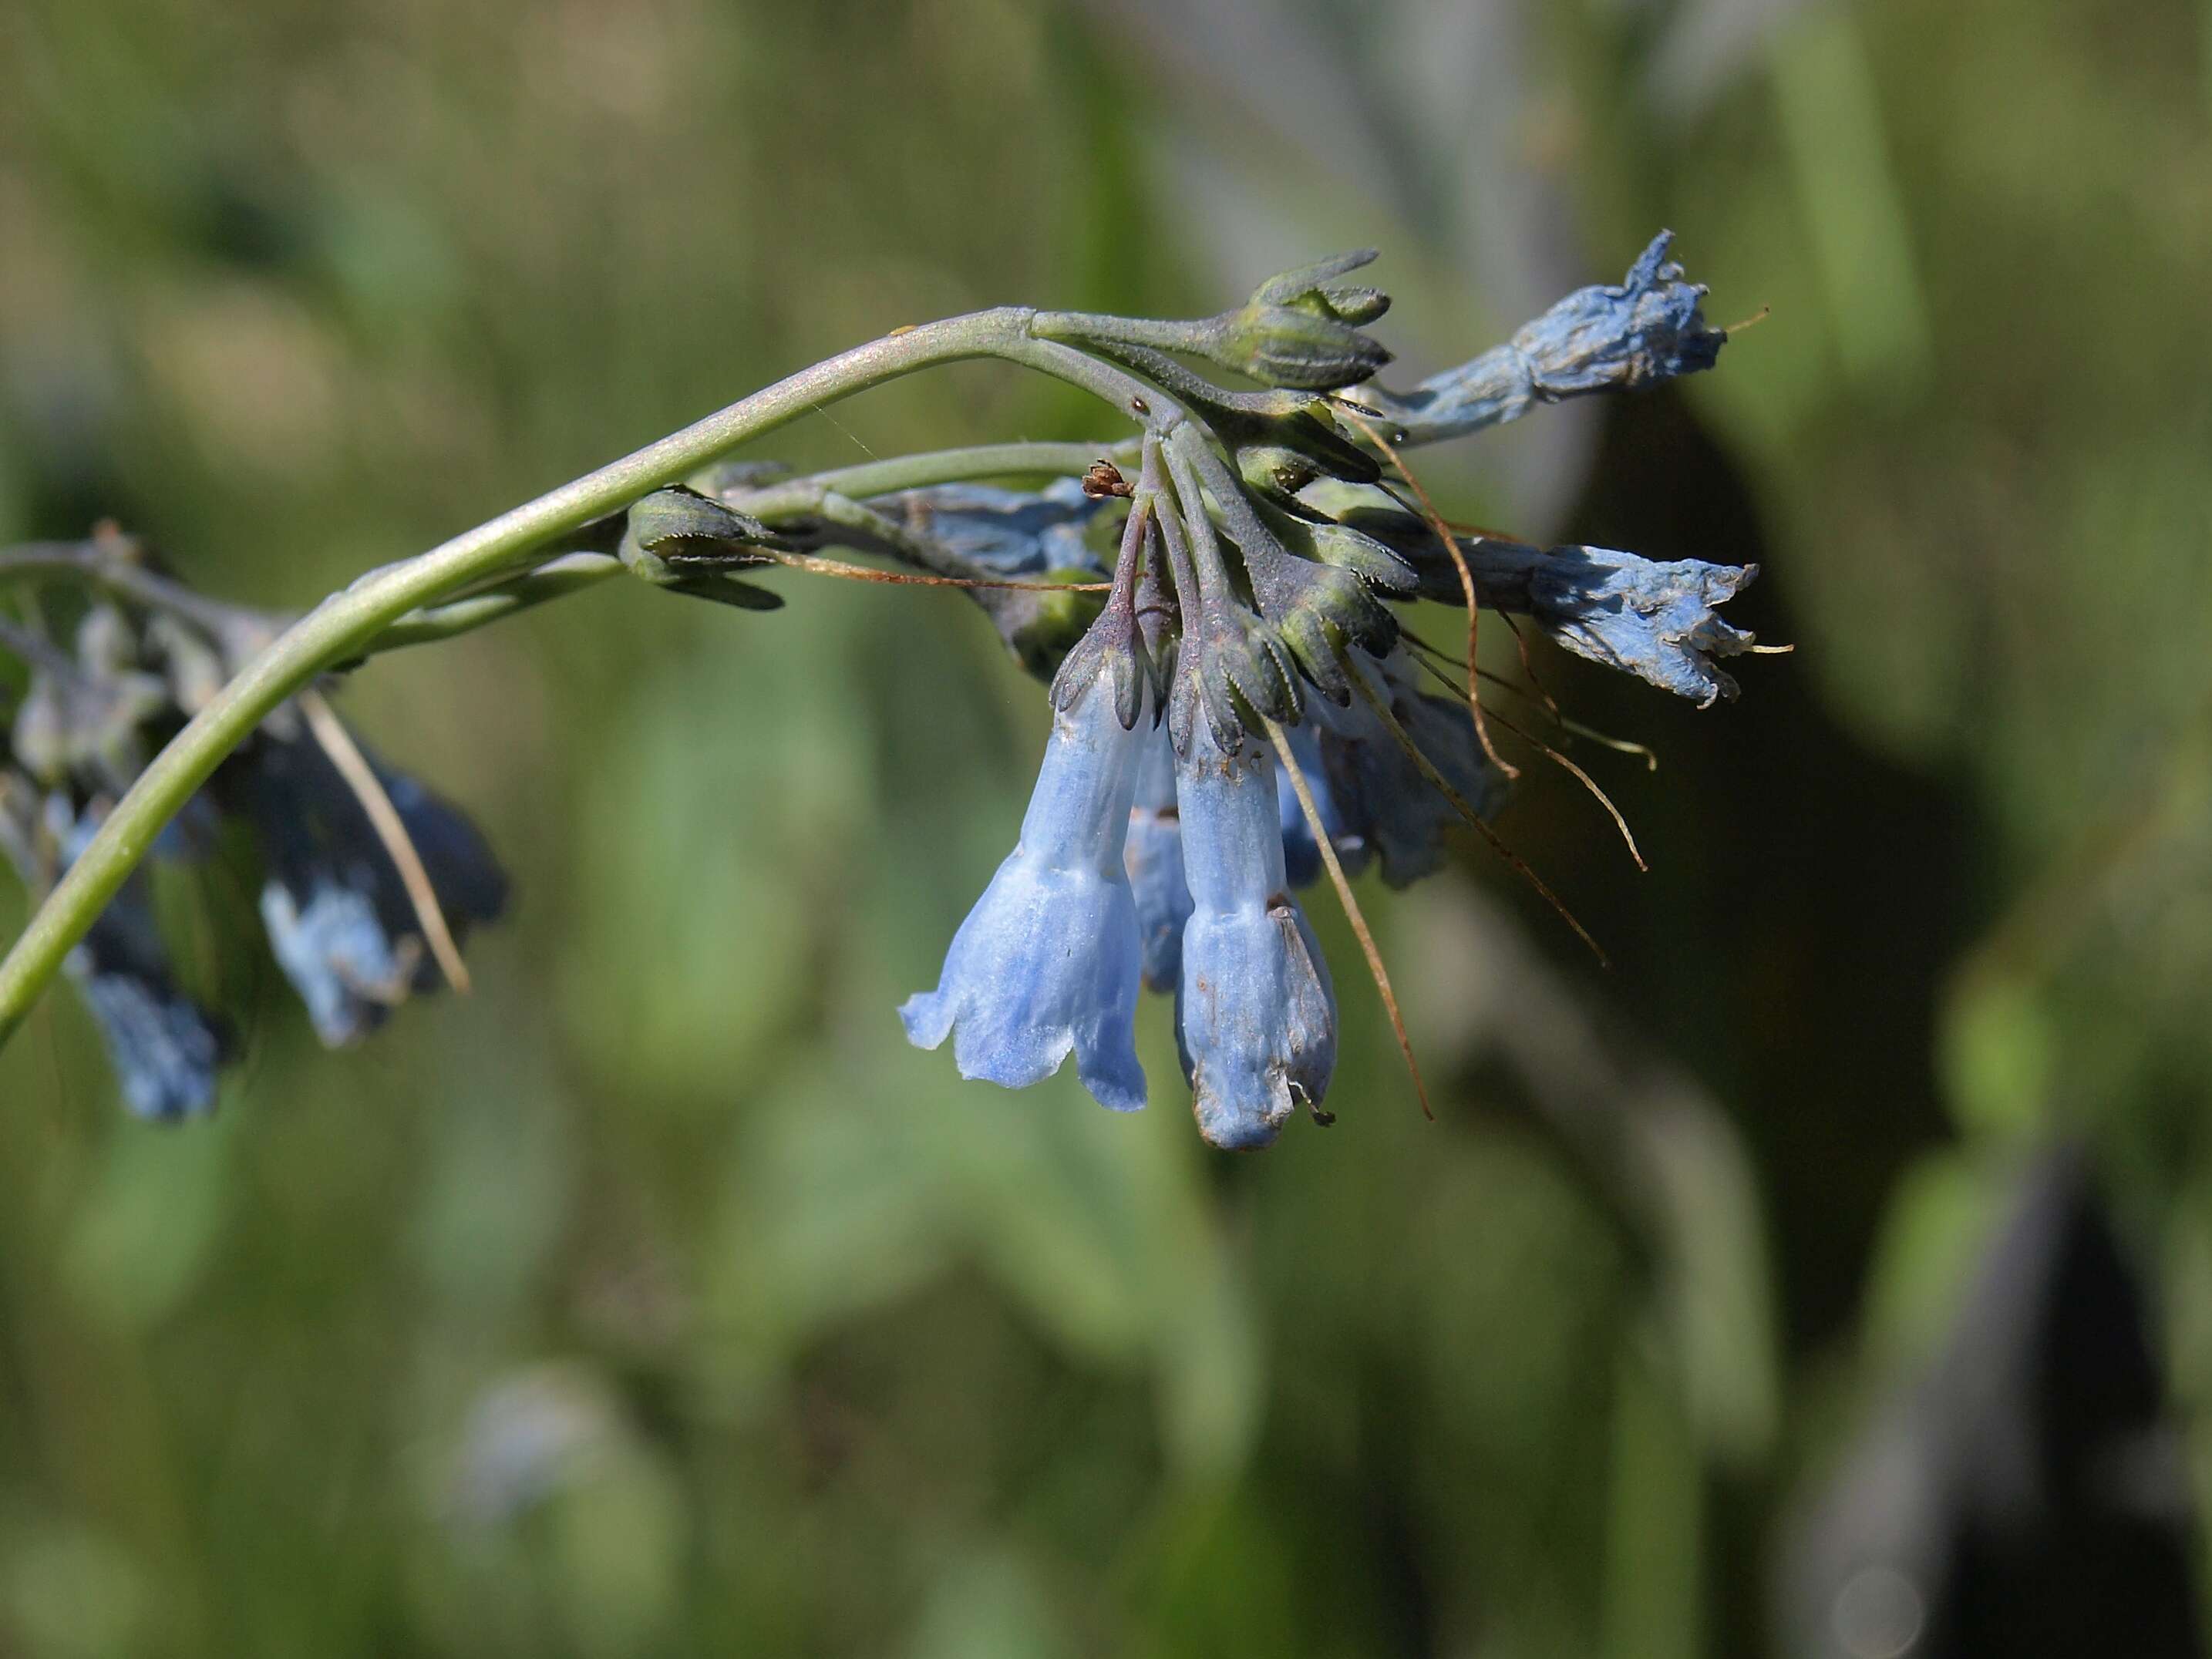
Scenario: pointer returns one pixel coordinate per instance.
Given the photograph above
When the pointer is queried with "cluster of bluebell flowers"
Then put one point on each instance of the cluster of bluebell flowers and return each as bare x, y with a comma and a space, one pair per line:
1247, 708
334, 903
1217, 604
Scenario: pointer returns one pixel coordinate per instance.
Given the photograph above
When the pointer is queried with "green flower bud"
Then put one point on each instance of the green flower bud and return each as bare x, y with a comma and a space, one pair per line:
681, 540
1274, 470
1337, 544
1300, 329
1232, 668
1313, 289
1283, 345
1318, 610
1349, 303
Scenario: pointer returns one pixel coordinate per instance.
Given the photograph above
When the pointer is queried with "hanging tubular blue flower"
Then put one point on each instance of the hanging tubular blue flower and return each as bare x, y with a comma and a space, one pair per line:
337, 913
1256, 1015
1649, 329
1049, 960
164, 1047
1269, 554
1010, 532
1153, 858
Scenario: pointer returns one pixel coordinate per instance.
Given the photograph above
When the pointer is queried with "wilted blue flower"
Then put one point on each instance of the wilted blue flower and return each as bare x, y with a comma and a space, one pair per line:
164, 1047
338, 917
1597, 339
1256, 1015
1049, 960
1656, 620
1011, 532
1153, 858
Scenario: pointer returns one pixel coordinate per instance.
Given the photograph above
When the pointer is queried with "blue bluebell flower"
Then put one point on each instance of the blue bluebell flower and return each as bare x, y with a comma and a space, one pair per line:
337, 915
1256, 1015
1654, 620
1049, 960
1010, 533
166, 1048
1153, 858
1301, 859
1649, 329
1386, 807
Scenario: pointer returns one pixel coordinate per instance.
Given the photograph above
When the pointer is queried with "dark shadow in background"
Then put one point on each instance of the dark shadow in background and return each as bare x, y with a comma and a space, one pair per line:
1812, 890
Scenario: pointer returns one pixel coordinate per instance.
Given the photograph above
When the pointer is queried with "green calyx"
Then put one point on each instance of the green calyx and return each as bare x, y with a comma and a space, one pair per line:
679, 540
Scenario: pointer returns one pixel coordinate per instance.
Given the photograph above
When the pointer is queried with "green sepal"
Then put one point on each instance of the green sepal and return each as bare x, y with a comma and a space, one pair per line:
681, 540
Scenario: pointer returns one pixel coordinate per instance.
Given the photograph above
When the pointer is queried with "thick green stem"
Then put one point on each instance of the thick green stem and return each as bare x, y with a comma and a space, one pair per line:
343, 625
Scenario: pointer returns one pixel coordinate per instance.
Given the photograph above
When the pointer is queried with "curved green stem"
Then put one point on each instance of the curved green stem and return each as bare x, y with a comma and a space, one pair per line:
936, 467
1095, 328
572, 573
343, 625
836, 494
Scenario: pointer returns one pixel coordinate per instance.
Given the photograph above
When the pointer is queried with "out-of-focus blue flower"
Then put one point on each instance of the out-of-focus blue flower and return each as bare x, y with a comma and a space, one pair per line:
1012, 533
337, 915
166, 1048
1153, 858
1301, 859
1373, 797
1256, 1015
1649, 329
1049, 960
527, 1437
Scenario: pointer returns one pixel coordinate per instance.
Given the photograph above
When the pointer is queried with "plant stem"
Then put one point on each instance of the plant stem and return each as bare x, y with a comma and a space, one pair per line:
936, 467
344, 624
834, 495
86, 562
572, 573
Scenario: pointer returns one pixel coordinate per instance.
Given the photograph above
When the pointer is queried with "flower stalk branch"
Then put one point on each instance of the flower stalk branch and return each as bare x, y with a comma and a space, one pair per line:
343, 625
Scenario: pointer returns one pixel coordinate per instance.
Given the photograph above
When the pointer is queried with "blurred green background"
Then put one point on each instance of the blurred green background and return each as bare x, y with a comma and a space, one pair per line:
659, 1299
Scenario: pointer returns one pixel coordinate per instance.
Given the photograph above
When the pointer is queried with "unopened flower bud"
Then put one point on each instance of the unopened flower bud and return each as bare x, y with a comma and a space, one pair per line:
678, 538
1312, 288
1287, 346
